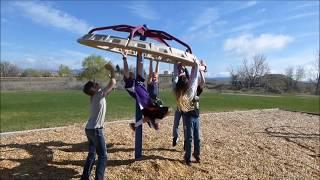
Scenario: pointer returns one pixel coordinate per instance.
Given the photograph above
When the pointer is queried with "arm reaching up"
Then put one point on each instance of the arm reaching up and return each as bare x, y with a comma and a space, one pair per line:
153, 75
203, 69
140, 64
125, 65
157, 68
203, 66
177, 69
112, 81
193, 80
150, 72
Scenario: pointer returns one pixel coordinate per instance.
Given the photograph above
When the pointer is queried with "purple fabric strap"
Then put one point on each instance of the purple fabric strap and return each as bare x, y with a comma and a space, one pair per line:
139, 91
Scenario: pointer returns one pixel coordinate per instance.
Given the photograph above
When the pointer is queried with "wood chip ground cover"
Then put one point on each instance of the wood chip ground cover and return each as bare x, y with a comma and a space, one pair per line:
258, 144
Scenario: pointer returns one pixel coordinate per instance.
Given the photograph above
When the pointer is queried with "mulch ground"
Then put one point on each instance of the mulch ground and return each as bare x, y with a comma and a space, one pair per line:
258, 144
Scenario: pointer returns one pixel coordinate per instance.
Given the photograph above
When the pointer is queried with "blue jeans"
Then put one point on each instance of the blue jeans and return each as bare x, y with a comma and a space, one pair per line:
176, 122
192, 131
97, 145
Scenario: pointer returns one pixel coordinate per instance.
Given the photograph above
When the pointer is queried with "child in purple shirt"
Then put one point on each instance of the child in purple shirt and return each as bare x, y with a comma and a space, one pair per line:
137, 90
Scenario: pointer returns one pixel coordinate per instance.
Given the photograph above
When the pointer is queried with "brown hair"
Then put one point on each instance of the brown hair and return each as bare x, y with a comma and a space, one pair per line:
88, 88
181, 87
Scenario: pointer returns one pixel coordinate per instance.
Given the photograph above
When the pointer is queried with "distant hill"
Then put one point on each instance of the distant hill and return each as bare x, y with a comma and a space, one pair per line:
220, 78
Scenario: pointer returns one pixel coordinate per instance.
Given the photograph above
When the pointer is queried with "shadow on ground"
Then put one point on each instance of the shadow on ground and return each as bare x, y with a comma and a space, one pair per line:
40, 164
295, 135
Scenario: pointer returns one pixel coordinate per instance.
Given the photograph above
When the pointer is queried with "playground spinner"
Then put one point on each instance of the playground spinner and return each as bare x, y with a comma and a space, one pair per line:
141, 49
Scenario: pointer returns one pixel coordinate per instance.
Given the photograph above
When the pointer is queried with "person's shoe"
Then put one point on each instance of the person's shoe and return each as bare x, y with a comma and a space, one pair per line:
188, 162
174, 141
197, 158
132, 126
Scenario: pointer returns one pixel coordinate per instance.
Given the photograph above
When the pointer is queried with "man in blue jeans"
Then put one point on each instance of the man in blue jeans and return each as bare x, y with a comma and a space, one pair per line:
94, 128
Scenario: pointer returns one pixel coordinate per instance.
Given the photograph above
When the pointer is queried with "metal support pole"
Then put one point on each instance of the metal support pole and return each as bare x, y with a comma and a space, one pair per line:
138, 131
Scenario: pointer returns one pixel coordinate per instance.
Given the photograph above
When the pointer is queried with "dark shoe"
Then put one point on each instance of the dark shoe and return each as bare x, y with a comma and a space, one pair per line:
188, 162
197, 158
132, 126
174, 141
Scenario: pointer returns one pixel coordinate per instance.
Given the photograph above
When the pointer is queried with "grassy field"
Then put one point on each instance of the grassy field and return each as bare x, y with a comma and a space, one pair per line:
40, 109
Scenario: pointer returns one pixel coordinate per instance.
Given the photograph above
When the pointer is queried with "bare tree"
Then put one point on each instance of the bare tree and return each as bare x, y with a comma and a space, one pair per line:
259, 68
8, 69
314, 76
298, 76
251, 74
234, 77
300, 73
289, 73
244, 73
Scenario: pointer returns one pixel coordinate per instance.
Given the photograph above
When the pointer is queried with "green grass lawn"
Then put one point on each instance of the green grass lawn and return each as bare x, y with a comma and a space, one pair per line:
40, 109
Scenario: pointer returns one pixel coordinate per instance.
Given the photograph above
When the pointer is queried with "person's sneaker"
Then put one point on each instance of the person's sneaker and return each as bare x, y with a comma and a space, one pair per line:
197, 158
188, 162
174, 141
132, 126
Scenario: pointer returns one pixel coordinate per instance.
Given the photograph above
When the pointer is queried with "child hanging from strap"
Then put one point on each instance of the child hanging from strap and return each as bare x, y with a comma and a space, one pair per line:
153, 84
136, 89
